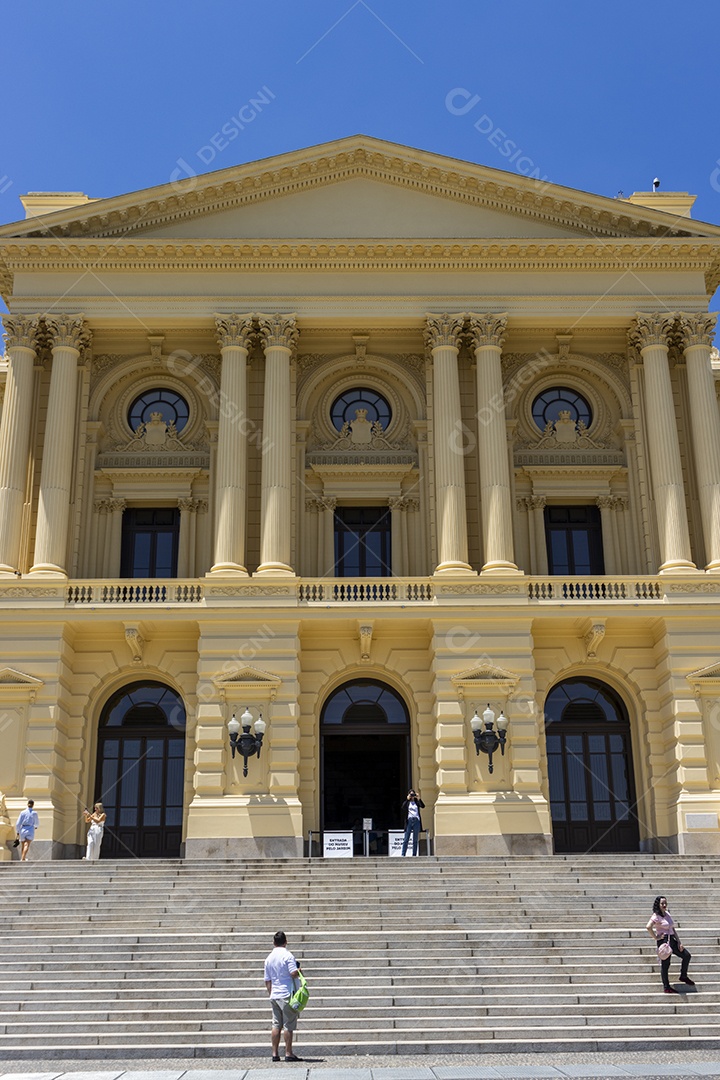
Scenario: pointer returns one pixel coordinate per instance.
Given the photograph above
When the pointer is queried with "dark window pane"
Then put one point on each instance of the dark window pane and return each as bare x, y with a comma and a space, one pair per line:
601, 810
599, 776
578, 811
619, 777
151, 816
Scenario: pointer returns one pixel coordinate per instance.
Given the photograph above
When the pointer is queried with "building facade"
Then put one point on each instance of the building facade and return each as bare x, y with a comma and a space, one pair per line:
364, 440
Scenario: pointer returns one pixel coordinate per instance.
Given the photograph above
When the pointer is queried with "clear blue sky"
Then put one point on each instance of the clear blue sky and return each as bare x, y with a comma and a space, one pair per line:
111, 97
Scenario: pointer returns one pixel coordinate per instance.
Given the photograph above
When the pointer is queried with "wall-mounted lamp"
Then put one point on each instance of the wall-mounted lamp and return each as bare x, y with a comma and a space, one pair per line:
488, 740
247, 744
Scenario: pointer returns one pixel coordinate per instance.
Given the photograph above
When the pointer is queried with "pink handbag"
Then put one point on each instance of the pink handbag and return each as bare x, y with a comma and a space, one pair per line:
664, 950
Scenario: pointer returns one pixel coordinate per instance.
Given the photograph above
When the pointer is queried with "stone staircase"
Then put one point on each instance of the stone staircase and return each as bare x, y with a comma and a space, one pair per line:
164, 959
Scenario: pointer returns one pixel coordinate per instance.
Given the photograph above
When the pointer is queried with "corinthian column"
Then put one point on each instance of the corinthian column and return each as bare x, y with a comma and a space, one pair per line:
650, 335
696, 338
279, 336
69, 335
442, 336
21, 336
234, 334
487, 333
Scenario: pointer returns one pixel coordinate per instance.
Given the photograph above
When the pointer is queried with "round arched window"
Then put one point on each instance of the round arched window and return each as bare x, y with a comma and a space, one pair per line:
364, 701
172, 407
548, 406
345, 407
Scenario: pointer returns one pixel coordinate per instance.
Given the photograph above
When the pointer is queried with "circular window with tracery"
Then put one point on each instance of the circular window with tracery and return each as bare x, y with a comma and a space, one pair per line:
344, 408
547, 407
172, 407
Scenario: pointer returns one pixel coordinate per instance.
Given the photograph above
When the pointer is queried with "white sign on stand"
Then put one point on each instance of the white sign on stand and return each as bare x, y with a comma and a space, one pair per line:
367, 824
395, 841
337, 845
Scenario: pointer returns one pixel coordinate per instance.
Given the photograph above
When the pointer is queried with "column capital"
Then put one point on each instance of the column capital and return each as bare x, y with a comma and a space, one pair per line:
605, 502
234, 330
328, 503
696, 329
117, 505
278, 330
443, 330
651, 329
21, 331
68, 331
487, 329
537, 502
189, 505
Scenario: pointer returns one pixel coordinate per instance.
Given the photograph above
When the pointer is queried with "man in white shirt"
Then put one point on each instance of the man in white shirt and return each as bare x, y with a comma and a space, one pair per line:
281, 968
25, 827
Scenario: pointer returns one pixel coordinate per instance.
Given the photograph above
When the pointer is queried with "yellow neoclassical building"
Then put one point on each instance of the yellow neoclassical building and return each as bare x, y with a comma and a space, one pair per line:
365, 440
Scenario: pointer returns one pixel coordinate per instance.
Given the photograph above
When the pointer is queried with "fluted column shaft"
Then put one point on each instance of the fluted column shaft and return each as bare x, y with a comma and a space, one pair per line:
495, 493
234, 336
650, 336
21, 336
443, 338
696, 335
279, 335
69, 336
606, 505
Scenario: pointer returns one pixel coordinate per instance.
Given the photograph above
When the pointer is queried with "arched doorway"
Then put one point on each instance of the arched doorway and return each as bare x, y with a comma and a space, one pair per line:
592, 794
364, 756
140, 775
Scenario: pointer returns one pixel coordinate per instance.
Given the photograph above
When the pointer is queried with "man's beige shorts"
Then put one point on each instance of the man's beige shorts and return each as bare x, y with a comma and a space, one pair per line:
283, 1015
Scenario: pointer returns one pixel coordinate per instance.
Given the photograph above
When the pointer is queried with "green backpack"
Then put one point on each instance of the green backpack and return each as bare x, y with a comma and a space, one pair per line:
299, 999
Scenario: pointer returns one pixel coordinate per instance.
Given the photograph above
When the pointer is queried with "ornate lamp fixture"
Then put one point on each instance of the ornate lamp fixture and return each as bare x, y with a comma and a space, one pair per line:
247, 744
489, 740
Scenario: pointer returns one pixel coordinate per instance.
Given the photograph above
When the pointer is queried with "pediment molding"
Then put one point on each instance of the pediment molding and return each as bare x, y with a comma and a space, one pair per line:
249, 683
16, 684
705, 680
485, 680
352, 158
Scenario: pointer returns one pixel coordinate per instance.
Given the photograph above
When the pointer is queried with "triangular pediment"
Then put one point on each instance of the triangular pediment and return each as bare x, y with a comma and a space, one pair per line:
707, 677
485, 678
250, 681
353, 188
14, 682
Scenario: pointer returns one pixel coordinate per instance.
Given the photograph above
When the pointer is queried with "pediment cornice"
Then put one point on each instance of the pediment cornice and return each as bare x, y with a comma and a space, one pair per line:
358, 157
138, 256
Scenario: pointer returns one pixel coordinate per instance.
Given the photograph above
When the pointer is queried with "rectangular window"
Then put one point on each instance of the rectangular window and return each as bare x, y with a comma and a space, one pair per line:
362, 541
574, 540
150, 542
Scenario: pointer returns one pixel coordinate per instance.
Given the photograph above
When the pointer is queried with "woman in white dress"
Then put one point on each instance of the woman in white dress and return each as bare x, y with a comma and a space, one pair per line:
96, 821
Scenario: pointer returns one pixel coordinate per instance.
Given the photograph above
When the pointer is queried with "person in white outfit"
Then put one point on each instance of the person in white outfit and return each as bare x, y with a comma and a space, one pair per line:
25, 827
96, 821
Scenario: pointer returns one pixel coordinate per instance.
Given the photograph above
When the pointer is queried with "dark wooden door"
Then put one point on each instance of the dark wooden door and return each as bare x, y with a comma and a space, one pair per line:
140, 776
590, 792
